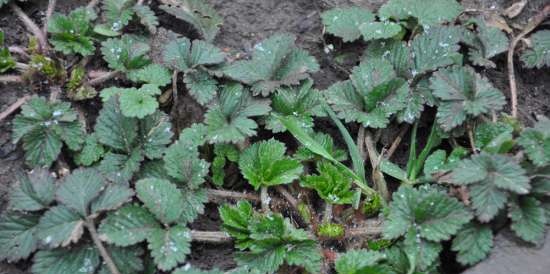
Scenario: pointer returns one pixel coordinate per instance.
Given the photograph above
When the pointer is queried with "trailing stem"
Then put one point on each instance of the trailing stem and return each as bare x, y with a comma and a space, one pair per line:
89, 223
31, 26
210, 236
103, 78
214, 194
264, 197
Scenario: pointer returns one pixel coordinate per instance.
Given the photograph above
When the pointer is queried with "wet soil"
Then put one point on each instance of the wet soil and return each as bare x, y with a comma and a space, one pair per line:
245, 23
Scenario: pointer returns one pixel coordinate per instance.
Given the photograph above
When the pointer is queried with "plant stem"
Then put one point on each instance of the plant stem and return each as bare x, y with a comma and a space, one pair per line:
288, 197
327, 214
264, 197
210, 236
471, 138
49, 12
214, 194
535, 21
19, 50
15, 106
103, 78
369, 228
377, 175
89, 223
361, 141
31, 26
22, 67
397, 140
10, 79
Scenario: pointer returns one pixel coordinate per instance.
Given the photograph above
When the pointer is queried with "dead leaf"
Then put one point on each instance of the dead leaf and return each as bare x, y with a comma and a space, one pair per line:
515, 9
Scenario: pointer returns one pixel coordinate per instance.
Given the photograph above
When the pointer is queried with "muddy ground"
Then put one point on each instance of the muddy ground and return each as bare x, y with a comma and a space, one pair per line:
245, 23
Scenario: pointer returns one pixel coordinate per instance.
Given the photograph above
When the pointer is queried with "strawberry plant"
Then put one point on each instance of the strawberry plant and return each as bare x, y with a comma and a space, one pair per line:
119, 181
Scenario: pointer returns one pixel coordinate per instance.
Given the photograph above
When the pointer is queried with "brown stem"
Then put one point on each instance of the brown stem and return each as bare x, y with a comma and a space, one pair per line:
210, 236
11, 79
535, 21
264, 197
288, 197
377, 175
471, 139
327, 213
216, 194
397, 140
361, 141
368, 228
49, 12
13, 107
31, 26
19, 50
102, 251
21, 67
54, 93
103, 78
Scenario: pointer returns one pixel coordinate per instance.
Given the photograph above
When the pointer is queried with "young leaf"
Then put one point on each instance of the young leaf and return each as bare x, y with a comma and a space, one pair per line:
73, 33
346, 22
491, 177
82, 259
229, 120
265, 164
539, 55
169, 247
302, 101
201, 85
139, 102
358, 261
371, 95
199, 14
427, 12
126, 53
489, 42
182, 55
17, 236
221, 152
528, 219
473, 243
127, 226
33, 191
153, 74
162, 198
332, 185
275, 62
117, 13
494, 137
463, 93
59, 226
536, 142
91, 151
147, 17
44, 127
6, 60
236, 220
182, 163
79, 189
432, 214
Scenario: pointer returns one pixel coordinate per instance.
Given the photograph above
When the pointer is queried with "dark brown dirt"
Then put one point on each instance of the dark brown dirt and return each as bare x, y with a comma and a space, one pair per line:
245, 23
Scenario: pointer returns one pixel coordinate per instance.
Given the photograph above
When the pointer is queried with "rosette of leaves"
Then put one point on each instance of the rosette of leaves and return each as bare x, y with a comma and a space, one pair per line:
332, 184
539, 54
192, 59
264, 164
463, 94
198, 13
72, 33
302, 101
267, 241
371, 96
535, 142
119, 13
352, 22
423, 217
44, 127
51, 216
229, 118
426, 12
126, 54
275, 62
6, 60
128, 140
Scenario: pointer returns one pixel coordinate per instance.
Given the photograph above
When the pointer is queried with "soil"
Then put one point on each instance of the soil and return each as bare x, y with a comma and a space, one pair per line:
245, 23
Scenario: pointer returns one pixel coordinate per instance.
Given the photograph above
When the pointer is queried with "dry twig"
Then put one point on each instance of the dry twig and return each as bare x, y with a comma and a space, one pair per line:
31, 26
15, 106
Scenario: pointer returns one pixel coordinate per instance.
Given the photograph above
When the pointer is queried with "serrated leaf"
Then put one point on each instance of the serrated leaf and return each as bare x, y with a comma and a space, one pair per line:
91, 151
379, 30
147, 17
473, 243
125, 53
394, 51
155, 134
128, 225
490, 41
72, 33
79, 189
528, 219
265, 164
182, 163
201, 85
183, 55
33, 191
536, 142
194, 203
194, 136
17, 236
138, 102
236, 220
59, 226
127, 260
120, 168
275, 62
487, 200
187, 269
437, 47
332, 184
82, 259
302, 102
422, 254
114, 129
432, 214
327, 143
117, 13
345, 22
539, 55
169, 247
427, 12
371, 96
355, 261
463, 93
6, 60
199, 14
112, 197
154, 74
162, 198
221, 152
229, 120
